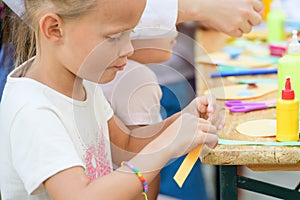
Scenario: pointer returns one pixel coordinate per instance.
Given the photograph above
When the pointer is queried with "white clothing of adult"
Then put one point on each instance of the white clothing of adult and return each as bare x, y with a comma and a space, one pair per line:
44, 132
158, 18
134, 95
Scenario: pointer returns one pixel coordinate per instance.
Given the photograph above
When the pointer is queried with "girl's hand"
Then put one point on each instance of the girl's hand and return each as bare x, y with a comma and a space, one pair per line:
186, 133
206, 107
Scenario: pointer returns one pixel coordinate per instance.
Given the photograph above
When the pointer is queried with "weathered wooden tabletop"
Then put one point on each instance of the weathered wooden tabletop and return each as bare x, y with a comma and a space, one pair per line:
258, 158
255, 157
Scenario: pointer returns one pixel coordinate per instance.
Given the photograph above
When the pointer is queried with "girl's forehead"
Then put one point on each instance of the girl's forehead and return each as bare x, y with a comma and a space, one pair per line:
126, 12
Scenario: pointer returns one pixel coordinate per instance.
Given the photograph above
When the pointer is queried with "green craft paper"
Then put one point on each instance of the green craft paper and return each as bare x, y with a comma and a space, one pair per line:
256, 80
240, 142
271, 59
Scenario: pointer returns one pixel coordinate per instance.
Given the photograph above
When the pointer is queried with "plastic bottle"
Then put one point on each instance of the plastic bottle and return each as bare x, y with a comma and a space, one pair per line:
275, 23
287, 115
289, 65
267, 5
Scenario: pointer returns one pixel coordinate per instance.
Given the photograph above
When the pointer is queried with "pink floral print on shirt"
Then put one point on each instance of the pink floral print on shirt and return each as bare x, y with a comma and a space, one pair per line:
97, 162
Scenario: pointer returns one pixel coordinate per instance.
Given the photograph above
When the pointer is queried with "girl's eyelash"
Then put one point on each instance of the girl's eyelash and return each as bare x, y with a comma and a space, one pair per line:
119, 35
113, 39
116, 36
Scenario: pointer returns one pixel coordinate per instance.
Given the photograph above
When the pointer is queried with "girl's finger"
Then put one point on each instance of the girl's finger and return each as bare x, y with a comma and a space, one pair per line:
211, 140
222, 123
202, 108
208, 129
211, 103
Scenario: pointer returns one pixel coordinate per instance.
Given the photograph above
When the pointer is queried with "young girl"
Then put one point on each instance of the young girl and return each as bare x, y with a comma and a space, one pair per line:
56, 124
135, 94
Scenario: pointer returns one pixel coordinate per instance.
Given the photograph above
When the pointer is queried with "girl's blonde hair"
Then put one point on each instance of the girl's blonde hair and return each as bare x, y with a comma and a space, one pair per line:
22, 33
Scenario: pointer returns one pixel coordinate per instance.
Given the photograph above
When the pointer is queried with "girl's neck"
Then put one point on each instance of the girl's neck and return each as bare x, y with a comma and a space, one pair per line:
58, 78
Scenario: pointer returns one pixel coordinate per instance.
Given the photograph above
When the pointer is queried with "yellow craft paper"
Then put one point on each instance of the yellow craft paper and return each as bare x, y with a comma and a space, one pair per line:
186, 166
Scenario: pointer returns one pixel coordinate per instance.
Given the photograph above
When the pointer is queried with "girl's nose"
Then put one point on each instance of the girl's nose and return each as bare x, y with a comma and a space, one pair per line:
127, 50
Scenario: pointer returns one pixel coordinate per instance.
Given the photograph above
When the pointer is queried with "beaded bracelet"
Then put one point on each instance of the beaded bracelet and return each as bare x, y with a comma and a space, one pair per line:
139, 174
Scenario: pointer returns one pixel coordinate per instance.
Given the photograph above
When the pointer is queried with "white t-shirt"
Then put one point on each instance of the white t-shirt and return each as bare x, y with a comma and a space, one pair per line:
44, 132
135, 95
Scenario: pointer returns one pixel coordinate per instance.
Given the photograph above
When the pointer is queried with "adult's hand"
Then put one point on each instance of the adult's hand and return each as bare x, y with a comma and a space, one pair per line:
233, 17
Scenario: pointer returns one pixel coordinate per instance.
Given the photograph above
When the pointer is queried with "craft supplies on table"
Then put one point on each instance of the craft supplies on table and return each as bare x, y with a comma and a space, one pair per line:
258, 128
287, 115
289, 65
277, 49
222, 58
254, 143
256, 152
255, 80
242, 92
243, 106
246, 72
275, 22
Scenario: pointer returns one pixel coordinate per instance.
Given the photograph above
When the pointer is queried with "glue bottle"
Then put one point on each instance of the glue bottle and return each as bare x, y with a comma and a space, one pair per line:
289, 65
287, 115
275, 23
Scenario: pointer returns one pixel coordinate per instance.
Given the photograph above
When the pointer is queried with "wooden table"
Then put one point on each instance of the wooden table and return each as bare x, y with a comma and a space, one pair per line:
257, 158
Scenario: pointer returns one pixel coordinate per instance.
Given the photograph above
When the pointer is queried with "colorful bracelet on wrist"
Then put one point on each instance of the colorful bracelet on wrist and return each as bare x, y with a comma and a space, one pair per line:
139, 174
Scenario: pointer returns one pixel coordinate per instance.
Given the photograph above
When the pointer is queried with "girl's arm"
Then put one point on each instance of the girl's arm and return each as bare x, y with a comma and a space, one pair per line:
73, 183
133, 140
126, 143
179, 138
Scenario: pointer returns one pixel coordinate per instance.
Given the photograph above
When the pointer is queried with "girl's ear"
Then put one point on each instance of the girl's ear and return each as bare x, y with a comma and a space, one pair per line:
51, 27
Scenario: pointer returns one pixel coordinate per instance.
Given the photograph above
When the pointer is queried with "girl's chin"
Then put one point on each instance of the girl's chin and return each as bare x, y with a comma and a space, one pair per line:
107, 79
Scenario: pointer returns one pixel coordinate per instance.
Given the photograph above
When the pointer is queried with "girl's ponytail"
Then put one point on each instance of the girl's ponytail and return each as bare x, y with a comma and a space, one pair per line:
18, 34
